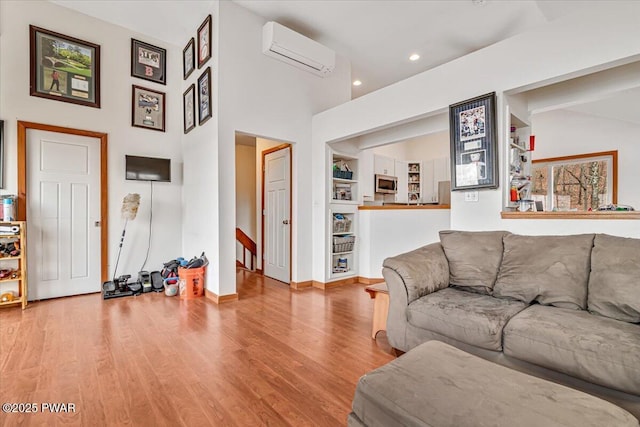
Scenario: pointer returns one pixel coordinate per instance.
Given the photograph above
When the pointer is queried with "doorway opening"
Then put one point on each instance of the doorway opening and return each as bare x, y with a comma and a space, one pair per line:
263, 206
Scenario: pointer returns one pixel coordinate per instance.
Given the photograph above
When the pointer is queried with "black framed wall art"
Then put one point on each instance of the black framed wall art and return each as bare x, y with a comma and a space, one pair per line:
474, 151
64, 68
189, 109
204, 42
188, 59
148, 62
204, 96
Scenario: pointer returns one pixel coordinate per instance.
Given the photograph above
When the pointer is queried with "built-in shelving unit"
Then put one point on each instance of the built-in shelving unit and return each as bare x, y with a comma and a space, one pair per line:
519, 163
414, 182
343, 214
343, 244
13, 264
344, 182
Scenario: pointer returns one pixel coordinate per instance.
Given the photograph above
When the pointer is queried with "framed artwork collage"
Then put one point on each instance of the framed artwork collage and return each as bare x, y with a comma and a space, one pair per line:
67, 69
474, 149
197, 52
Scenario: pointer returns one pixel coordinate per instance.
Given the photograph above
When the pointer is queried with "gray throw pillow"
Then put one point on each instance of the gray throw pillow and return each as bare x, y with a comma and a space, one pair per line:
474, 258
614, 284
553, 270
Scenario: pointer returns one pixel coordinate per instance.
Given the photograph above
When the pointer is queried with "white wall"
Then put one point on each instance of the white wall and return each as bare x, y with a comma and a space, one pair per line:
396, 151
200, 199
246, 189
566, 133
385, 233
426, 147
114, 118
260, 96
565, 48
246, 193
429, 147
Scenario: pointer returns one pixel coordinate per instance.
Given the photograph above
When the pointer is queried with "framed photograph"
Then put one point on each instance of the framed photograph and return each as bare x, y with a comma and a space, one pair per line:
64, 68
204, 42
204, 96
474, 151
148, 62
189, 58
189, 108
147, 108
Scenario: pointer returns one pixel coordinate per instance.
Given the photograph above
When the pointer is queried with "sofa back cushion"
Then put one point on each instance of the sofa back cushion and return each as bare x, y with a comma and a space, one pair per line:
474, 258
614, 283
553, 270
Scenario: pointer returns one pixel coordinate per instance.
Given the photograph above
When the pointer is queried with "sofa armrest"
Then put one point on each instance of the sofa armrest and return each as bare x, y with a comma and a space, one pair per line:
421, 272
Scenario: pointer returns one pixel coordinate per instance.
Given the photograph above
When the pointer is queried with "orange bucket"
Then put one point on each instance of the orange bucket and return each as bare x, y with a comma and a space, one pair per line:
191, 282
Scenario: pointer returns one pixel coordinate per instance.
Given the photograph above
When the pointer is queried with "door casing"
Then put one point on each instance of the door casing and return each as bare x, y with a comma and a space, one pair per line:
21, 214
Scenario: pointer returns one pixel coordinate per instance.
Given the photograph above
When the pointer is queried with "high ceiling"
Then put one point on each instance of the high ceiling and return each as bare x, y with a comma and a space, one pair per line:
377, 36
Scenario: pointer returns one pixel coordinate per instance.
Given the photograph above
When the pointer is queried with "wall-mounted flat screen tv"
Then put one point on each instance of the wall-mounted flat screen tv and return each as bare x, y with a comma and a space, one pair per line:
148, 169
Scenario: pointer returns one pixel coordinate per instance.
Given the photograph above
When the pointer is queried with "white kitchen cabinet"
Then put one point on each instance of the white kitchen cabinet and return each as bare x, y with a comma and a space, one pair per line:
441, 172
401, 169
383, 165
428, 195
433, 172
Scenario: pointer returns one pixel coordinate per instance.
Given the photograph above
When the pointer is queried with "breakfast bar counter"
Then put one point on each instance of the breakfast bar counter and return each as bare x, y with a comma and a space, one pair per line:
397, 206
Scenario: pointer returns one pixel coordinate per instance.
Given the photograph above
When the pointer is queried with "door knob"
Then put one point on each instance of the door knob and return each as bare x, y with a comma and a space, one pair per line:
285, 221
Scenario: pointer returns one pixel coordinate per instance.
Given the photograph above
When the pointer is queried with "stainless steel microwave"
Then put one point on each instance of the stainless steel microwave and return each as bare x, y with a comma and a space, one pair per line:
386, 184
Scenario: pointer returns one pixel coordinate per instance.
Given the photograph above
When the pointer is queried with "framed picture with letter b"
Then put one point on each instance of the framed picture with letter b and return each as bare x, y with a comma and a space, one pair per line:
148, 62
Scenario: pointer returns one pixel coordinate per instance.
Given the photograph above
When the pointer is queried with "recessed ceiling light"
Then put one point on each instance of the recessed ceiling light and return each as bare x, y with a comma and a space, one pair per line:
414, 57
357, 82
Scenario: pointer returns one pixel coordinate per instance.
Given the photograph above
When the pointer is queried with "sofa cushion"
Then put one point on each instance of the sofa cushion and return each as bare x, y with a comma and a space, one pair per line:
594, 348
438, 385
614, 283
553, 270
474, 257
464, 316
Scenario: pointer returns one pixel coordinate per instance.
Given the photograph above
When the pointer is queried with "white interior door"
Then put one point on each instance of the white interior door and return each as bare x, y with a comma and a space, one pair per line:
277, 223
63, 214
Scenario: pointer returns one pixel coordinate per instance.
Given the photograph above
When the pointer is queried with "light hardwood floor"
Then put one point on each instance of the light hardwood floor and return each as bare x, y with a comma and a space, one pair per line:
275, 357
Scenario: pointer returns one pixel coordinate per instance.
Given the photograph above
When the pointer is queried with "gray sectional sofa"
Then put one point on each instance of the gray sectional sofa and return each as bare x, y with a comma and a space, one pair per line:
563, 308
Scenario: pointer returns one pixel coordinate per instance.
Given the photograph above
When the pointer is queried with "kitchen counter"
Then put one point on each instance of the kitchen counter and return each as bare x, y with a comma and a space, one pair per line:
392, 206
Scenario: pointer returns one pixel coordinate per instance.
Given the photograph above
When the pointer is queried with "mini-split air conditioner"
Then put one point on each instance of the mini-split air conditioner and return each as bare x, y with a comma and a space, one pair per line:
286, 45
